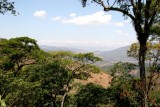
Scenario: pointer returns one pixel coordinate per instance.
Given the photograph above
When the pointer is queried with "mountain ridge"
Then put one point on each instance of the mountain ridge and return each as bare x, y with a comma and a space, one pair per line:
109, 57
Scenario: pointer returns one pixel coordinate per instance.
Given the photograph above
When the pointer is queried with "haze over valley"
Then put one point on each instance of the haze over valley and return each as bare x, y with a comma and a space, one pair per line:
108, 57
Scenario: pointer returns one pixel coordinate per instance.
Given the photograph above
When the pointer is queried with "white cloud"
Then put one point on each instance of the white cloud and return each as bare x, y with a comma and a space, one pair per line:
121, 32
56, 18
73, 15
41, 14
92, 19
119, 24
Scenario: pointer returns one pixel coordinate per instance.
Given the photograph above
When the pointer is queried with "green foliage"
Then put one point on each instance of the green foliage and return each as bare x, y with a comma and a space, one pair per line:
144, 15
22, 93
155, 29
18, 91
76, 65
155, 97
17, 52
122, 69
152, 68
2, 103
123, 93
91, 95
52, 78
45, 78
151, 54
87, 57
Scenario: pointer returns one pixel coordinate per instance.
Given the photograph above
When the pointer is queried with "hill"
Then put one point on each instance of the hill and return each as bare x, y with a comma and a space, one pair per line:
111, 57
101, 78
56, 48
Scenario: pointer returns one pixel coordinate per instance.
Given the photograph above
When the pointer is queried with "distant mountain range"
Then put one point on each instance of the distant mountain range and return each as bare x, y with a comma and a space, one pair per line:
109, 57
56, 48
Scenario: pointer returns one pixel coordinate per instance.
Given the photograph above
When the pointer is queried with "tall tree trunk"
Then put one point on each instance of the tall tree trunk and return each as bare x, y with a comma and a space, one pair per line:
142, 55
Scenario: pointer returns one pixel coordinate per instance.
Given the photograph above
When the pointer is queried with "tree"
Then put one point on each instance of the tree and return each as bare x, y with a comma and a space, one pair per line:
77, 67
40, 78
123, 91
143, 14
153, 64
57, 75
91, 95
16, 55
120, 93
6, 6
18, 52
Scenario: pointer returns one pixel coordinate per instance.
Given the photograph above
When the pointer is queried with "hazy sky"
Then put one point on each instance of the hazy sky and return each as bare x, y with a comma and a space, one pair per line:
66, 23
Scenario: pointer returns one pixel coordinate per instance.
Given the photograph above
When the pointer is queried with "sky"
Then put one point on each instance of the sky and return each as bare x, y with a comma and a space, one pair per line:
67, 24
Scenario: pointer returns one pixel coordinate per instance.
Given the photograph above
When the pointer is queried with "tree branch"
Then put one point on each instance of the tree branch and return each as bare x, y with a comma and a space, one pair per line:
114, 3
147, 14
154, 13
13, 102
106, 8
122, 11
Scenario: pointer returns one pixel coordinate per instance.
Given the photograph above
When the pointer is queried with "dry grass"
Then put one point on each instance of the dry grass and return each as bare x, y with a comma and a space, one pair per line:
101, 78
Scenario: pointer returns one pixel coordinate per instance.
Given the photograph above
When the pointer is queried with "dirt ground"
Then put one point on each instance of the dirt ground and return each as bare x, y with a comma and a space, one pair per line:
101, 78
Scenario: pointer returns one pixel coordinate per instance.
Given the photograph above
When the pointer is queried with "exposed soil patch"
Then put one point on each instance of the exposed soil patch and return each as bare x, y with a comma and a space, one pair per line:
101, 78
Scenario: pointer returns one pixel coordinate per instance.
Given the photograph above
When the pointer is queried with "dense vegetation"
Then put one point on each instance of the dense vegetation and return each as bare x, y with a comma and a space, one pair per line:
30, 77
144, 14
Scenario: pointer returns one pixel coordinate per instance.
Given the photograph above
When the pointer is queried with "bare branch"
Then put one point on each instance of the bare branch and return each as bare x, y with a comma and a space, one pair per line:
114, 3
